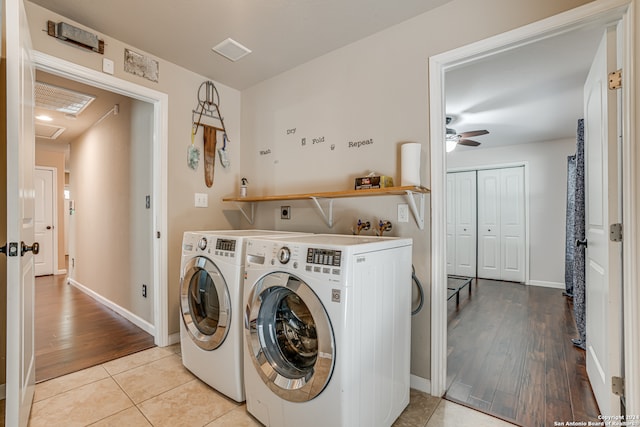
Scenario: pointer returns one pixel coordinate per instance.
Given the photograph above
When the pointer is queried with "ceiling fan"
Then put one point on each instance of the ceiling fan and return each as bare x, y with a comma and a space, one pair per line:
454, 138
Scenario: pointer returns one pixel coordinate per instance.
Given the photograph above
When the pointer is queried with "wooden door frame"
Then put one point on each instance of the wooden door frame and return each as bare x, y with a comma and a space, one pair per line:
599, 12
54, 215
60, 67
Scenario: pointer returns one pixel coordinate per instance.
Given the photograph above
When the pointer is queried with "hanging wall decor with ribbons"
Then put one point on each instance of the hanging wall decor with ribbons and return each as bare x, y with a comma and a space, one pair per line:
208, 106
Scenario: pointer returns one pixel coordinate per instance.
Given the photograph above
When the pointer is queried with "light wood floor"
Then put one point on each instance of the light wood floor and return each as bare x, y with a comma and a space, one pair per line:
74, 332
510, 355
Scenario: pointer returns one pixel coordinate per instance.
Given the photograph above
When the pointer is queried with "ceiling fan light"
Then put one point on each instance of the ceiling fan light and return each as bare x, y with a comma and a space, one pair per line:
451, 145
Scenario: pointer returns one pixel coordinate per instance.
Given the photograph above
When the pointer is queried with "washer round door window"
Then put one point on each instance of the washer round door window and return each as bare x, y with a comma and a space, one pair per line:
205, 303
290, 337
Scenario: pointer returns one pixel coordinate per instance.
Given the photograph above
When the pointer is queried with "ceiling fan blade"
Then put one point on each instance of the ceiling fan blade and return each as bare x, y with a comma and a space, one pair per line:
469, 142
473, 133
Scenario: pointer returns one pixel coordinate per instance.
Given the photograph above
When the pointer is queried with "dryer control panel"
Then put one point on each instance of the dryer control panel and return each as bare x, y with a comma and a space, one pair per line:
225, 247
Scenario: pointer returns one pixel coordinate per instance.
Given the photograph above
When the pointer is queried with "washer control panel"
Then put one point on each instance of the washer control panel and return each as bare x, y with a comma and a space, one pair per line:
325, 262
330, 257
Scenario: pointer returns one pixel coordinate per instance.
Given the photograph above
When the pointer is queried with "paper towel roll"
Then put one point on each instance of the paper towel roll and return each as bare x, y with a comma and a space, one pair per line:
410, 164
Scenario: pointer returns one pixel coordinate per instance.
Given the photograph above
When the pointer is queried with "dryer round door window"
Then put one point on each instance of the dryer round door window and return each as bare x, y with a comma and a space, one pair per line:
290, 337
205, 303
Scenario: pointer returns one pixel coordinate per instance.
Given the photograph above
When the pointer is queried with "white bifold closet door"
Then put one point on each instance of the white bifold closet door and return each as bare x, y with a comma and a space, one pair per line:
501, 224
461, 223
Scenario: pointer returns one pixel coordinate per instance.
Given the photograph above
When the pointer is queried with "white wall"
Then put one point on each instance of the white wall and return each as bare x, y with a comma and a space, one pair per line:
547, 175
141, 221
374, 89
102, 183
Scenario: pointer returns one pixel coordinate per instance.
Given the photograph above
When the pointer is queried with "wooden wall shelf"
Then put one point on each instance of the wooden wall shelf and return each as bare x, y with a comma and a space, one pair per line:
409, 192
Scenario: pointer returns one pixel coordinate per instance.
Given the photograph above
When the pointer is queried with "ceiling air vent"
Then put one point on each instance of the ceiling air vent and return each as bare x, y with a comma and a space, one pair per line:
48, 131
231, 49
75, 36
57, 98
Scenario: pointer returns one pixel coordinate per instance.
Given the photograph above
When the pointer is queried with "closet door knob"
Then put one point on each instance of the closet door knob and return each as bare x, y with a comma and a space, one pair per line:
581, 243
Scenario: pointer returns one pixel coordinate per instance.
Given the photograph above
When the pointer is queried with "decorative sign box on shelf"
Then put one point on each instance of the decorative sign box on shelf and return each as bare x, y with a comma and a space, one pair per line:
367, 182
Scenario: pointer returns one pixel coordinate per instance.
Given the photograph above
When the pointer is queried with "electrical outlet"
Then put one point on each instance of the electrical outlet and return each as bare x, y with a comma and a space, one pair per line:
285, 212
403, 212
144, 290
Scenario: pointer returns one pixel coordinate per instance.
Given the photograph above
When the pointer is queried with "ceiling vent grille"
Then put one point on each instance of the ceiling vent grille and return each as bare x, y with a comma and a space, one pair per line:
60, 99
231, 49
48, 131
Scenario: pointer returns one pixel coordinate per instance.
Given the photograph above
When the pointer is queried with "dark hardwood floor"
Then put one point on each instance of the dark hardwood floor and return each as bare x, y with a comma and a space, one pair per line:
510, 355
74, 332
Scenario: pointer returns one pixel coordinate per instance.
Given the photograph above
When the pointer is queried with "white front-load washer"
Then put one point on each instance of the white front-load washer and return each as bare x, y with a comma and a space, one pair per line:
211, 280
327, 328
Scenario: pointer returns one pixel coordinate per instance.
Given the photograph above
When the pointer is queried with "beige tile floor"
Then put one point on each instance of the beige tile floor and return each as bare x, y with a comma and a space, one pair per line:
152, 388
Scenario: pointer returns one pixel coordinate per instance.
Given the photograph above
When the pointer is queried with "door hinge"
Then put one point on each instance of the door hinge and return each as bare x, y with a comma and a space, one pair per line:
615, 232
617, 386
157, 234
615, 79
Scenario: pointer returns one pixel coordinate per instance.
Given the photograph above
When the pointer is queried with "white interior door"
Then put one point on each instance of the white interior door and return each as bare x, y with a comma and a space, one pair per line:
489, 224
602, 257
501, 224
451, 223
44, 219
461, 223
512, 224
20, 363
465, 208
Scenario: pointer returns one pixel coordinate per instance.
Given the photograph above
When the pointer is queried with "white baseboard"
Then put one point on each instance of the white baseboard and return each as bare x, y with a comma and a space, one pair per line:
3, 392
555, 285
61, 271
174, 338
136, 320
420, 384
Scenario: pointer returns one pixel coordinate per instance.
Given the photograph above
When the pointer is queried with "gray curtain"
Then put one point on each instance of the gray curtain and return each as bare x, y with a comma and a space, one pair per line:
579, 234
569, 254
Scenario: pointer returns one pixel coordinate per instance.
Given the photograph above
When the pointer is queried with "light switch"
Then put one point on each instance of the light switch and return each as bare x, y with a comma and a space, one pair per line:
202, 200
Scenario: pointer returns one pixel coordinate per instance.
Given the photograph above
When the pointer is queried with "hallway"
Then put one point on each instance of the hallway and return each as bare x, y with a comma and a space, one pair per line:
73, 331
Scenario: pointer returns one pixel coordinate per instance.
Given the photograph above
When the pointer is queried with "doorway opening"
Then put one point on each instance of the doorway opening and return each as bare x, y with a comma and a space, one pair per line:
103, 150
596, 14
154, 200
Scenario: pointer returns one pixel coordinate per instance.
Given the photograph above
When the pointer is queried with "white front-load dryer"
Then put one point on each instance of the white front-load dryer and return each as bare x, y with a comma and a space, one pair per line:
327, 327
211, 280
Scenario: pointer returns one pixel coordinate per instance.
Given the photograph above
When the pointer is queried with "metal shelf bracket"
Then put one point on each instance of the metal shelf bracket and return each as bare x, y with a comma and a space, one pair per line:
417, 211
242, 211
327, 219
